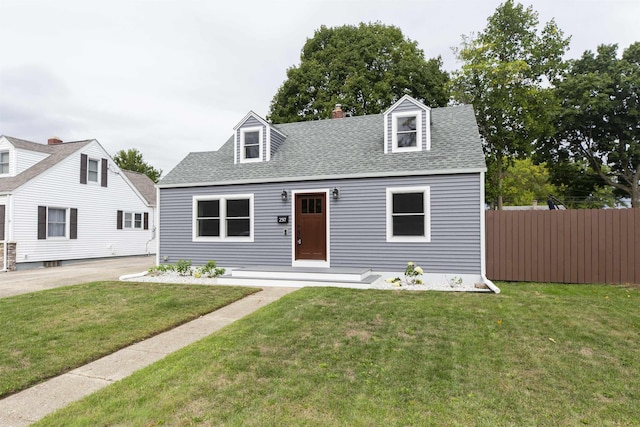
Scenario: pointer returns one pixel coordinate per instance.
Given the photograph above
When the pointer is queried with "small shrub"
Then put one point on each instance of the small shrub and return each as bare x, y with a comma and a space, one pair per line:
183, 267
210, 270
156, 270
412, 276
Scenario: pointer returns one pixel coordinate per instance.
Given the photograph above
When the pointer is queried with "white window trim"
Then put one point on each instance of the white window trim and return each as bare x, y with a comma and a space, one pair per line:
243, 131
99, 171
8, 153
223, 218
394, 131
67, 220
426, 190
133, 220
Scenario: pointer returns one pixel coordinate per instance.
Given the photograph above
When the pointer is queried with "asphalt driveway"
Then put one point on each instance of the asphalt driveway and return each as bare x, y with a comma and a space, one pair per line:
22, 282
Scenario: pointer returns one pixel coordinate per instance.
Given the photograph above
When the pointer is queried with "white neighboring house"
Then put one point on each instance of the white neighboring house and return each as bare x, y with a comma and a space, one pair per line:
70, 201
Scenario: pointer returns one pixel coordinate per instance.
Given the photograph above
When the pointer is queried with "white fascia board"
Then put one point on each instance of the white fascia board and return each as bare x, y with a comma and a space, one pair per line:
327, 177
245, 118
407, 98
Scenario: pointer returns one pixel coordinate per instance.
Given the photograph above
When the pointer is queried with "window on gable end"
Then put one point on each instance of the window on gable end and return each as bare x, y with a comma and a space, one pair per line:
406, 128
92, 170
251, 144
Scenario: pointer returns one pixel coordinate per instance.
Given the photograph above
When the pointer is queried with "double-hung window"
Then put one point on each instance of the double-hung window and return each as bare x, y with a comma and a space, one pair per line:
406, 131
92, 170
224, 217
4, 162
408, 216
56, 222
251, 144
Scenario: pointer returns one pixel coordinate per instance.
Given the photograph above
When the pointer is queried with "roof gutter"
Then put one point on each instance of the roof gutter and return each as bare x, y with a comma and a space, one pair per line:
327, 177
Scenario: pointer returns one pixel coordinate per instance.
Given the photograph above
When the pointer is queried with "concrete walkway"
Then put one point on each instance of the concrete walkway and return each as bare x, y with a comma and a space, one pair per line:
31, 405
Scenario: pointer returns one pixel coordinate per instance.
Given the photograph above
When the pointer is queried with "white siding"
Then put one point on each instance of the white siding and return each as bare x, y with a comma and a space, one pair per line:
97, 213
24, 159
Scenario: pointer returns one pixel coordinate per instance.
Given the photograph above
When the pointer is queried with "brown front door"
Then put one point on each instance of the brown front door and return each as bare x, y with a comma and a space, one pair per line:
311, 226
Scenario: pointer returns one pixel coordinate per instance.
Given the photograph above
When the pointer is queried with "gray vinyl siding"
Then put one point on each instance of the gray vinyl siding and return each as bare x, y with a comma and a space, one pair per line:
357, 225
404, 107
276, 140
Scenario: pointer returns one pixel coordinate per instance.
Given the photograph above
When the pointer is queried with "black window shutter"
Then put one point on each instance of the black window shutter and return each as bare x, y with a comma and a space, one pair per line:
42, 222
146, 220
119, 221
2, 222
73, 224
103, 181
83, 168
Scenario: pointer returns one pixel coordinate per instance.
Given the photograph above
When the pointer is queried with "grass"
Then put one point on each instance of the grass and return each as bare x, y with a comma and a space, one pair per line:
44, 334
534, 355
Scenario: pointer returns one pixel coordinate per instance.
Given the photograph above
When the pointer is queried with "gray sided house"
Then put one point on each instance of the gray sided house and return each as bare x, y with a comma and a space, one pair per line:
370, 192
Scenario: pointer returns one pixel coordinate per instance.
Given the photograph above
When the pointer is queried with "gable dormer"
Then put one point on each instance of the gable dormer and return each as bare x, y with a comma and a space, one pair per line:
255, 140
17, 155
407, 126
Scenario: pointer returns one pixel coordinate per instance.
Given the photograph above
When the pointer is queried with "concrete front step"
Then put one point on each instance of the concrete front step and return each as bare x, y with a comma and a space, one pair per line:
304, 274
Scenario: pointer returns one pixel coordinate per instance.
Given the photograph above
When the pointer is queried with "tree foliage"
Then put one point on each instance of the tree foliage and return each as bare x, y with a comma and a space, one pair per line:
579, 186
600, 117
365, 68
132, 160
525, 182
506, 72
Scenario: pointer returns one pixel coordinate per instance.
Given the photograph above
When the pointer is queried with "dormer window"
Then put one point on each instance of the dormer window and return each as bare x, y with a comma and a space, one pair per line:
4, 162
251, 144
407, 126
407, 131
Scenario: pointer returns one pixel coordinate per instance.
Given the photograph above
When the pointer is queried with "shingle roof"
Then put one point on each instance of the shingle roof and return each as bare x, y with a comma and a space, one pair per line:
144, 184
342, 148
57, 153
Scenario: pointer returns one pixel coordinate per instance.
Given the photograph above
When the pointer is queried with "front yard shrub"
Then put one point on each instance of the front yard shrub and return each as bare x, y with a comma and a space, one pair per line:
210, 270
162, 268
183, 267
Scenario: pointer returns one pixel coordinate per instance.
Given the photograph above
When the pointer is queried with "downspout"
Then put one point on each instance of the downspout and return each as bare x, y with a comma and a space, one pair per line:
153, 236
483, 241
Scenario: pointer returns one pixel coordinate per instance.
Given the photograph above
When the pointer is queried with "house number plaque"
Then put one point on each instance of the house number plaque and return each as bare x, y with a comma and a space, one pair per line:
283, 219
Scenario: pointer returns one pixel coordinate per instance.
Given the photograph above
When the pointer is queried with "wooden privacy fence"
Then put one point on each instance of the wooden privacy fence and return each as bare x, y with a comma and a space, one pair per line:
564, 246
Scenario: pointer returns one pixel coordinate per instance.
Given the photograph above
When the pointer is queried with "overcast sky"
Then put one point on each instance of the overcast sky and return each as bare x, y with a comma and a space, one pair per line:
170, 77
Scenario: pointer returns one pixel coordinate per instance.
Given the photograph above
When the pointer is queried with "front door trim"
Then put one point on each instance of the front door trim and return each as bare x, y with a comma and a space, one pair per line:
309, 262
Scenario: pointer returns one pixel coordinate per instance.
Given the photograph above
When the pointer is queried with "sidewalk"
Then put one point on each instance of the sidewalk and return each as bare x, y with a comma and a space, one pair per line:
32, 404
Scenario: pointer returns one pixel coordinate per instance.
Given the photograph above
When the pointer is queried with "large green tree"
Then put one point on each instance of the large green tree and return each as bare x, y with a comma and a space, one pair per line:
525, 182
506, 74
132, 160
600, 117
366, 68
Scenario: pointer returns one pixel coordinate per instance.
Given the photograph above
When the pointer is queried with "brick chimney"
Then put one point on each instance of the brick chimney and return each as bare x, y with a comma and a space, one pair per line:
337, 112
54, 140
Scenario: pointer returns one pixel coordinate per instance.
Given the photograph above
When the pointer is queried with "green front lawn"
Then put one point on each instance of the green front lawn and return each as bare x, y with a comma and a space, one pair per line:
533, 355
43, 334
